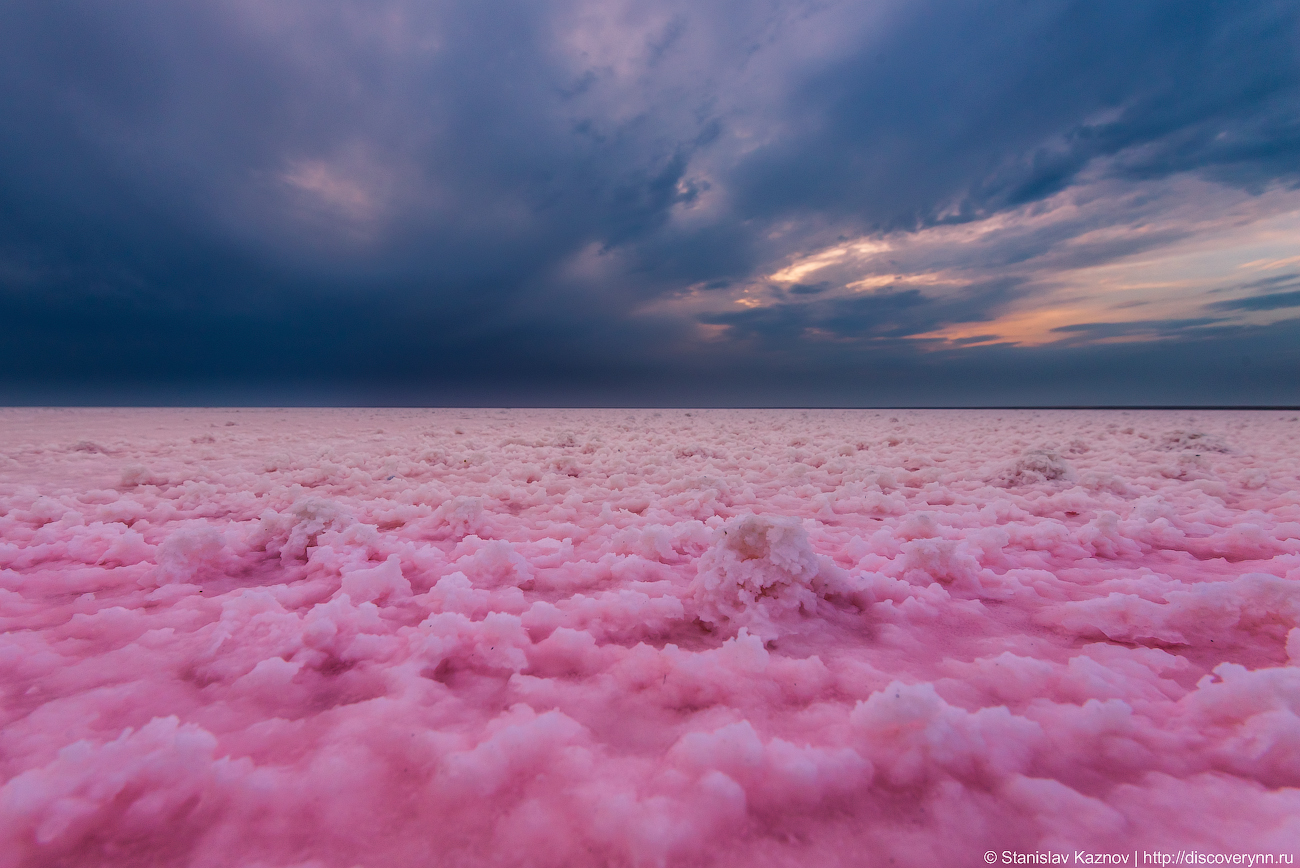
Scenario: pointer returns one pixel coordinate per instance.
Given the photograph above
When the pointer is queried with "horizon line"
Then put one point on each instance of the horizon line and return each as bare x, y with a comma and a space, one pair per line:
1221, 407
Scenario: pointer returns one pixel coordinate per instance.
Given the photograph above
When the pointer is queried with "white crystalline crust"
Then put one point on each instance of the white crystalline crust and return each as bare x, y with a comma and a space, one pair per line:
758, 570
645, 638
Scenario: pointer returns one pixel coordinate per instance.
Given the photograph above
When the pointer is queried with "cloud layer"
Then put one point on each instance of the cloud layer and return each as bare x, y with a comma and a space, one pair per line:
587, 199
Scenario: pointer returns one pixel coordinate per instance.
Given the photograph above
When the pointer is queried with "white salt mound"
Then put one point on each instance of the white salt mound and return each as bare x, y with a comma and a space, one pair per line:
760, 568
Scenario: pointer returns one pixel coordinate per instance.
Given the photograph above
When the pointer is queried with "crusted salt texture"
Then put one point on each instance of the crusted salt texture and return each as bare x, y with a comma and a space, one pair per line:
342, 638
759, 571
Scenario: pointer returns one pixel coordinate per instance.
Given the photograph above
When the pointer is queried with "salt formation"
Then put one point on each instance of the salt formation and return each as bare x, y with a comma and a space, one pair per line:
1036, 466
761, 571
758, 568
330, 639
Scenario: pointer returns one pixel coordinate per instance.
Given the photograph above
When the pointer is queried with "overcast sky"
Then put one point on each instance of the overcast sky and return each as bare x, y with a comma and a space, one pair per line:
651, 202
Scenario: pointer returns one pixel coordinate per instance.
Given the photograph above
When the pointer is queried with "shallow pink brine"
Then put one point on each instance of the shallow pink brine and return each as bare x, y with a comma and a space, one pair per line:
646, 638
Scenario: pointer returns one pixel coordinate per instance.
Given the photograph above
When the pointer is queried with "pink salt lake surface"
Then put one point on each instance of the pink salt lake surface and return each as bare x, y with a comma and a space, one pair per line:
553, 638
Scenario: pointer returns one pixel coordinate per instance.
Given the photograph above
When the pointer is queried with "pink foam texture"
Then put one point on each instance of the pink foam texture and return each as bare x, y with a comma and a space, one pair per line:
634, 638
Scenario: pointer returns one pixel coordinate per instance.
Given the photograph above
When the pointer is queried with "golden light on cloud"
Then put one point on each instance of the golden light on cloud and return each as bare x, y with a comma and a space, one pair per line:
876, 281
1026, 328
1056, 271
1155, 268
839, 254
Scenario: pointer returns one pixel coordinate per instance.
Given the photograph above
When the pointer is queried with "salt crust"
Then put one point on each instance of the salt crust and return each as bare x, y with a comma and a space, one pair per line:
544, 638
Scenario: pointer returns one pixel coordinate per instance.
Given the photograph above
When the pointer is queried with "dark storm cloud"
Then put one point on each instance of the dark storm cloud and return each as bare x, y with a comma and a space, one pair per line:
411, 196
964, 108
1132, 328
1271, 301
1266, 301
808, 288
887, 314
158, 112
1273, 282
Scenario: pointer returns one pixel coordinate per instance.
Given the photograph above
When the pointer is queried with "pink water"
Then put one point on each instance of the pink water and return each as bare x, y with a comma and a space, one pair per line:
579, 638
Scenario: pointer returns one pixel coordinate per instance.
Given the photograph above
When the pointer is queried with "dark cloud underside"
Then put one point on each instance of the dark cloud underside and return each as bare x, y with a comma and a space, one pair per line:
499, 203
